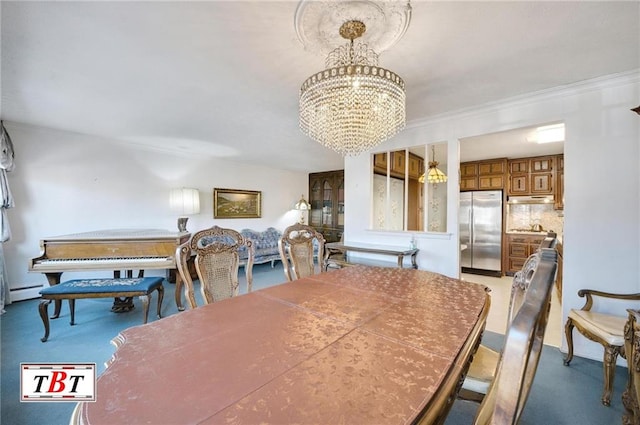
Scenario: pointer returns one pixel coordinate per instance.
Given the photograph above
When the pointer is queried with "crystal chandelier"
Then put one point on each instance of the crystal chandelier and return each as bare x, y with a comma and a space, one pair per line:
433, 174
354, 104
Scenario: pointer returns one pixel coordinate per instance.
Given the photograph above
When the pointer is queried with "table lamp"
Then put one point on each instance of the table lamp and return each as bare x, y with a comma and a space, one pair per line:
184, 201
302, 205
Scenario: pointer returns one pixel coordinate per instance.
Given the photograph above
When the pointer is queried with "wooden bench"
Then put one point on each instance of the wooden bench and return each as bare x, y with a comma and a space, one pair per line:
99, 288
336, 255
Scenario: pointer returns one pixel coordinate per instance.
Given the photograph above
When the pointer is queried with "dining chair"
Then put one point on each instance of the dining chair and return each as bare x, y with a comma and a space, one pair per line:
604, 328
509, 390
482, 371
298, 246
217, 252
631, 394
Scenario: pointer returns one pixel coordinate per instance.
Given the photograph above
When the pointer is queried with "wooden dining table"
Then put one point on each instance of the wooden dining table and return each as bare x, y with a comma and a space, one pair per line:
359, 345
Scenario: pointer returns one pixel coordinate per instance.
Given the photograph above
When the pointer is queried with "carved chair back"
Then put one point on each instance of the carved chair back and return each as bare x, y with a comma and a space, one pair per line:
522, 278
518, 362
217, 252
631, 395
298, 246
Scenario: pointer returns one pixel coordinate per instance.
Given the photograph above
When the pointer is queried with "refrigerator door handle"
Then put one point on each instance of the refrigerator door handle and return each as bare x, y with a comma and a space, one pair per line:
472, 235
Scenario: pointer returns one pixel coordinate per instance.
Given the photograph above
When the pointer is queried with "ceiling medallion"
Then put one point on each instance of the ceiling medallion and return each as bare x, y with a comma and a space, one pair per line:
352, 105
316, 23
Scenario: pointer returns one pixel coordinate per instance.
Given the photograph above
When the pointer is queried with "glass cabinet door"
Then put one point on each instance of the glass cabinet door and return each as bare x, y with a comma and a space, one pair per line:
316, 204
341, 204
327, 204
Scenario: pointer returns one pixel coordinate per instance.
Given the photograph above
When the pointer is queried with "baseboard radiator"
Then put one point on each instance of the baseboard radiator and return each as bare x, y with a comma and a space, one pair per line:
27, 293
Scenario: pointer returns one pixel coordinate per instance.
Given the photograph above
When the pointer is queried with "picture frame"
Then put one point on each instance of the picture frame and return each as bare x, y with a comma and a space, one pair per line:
234, 203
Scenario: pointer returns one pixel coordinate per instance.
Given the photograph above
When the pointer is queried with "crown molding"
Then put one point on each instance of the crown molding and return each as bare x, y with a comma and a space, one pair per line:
598, 83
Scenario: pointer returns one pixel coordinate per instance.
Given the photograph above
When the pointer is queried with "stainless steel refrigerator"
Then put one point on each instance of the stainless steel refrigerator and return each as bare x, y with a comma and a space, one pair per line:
481, 232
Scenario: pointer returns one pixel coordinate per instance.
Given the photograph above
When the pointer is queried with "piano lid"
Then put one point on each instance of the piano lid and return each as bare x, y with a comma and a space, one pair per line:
108, 234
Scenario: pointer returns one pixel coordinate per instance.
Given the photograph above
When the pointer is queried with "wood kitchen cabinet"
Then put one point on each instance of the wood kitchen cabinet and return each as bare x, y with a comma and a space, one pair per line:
416, 166
326, 196
531, 176
468, 176
380, 162
519, 248
483, 175
558, 195
398, 164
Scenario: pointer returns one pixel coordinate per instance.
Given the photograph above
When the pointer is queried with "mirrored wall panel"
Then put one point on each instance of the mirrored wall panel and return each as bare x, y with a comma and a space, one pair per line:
404, 197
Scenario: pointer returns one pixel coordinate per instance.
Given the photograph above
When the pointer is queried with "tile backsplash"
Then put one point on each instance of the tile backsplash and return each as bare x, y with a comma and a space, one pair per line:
523, 216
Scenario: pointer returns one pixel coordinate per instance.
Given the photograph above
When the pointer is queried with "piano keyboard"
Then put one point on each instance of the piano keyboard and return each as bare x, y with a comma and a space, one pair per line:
104, 263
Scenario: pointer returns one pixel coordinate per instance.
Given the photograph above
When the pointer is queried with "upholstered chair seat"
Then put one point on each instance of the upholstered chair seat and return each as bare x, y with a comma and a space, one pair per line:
604, 328
482, 371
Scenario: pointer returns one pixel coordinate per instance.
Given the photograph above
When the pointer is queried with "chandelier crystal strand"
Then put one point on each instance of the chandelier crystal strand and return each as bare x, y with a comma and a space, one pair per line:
353, 105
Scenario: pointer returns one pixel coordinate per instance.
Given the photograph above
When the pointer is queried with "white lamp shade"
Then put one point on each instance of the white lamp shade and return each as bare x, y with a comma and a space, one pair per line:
184, 201
302, 204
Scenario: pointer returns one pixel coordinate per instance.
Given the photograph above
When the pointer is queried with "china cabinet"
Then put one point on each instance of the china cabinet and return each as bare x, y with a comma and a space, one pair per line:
326, 195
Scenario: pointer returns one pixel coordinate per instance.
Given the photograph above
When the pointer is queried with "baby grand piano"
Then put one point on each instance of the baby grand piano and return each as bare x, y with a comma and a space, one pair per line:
117, 249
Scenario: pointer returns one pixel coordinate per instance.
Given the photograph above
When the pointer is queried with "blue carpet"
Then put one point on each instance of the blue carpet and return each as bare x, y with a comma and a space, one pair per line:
560, 394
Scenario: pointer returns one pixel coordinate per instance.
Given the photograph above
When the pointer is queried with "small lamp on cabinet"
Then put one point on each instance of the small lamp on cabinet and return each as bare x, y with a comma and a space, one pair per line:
303, 206
184, 201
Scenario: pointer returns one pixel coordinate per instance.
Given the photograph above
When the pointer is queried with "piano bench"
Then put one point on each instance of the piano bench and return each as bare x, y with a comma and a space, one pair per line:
99, 288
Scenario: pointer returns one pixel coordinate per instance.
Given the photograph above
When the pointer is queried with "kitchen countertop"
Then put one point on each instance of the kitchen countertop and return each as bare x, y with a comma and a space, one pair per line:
529, 232
525, 232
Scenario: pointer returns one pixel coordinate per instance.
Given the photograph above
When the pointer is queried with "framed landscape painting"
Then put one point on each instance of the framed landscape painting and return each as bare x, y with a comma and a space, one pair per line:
232, 203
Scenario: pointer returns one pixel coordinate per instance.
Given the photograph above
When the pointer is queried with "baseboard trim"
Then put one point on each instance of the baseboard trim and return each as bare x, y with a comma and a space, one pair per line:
21, 294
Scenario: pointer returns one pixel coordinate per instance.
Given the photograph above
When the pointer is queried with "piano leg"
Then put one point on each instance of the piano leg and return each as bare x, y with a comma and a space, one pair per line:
122, 305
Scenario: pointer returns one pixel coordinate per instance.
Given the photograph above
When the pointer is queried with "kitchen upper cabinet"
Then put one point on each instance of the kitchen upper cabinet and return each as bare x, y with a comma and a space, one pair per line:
519, 184
416, 166
483, 175
380, 162
531, 176
468, 176
558, 196
519, 166
398, 164
326, 195
542, 164
493, 167
542, 184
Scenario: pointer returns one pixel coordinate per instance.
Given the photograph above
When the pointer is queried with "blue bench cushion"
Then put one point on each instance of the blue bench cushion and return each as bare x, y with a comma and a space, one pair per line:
103, 286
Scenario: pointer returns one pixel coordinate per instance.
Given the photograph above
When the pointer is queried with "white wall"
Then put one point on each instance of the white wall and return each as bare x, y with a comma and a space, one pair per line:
602, 185
67, 183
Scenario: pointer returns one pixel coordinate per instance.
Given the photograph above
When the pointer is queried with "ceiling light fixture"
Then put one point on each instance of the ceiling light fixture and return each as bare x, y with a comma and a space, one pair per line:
548, 134
433, 174
353, 105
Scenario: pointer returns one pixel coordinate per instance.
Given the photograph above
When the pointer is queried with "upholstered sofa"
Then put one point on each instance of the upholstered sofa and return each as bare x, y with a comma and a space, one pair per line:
265, 245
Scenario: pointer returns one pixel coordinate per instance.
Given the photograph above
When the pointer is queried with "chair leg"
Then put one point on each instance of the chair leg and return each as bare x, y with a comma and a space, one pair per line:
609, 366
160, 298
72, 309
44, 315
568, 330
145, 306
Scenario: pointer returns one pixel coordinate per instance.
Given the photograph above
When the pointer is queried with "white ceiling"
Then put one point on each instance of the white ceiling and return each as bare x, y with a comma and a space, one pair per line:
221, 78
